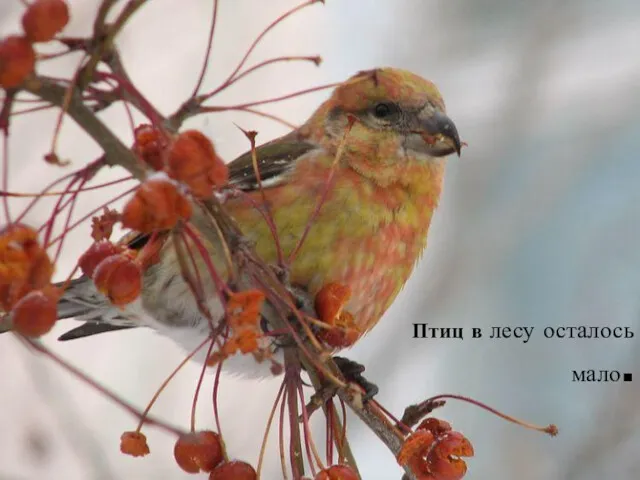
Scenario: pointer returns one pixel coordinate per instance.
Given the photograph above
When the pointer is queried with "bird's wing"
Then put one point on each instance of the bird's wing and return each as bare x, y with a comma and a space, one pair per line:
88, 329
274, 160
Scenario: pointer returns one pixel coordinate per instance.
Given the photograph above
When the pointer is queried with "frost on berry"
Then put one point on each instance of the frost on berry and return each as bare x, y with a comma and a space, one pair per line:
24, 264
150, 145
414, 446
43, 19
118, 277
234, 470
134, 444
193, 161
337, 472
435, 425
198, 451
17, 60
156, 205
36, 313
342, 330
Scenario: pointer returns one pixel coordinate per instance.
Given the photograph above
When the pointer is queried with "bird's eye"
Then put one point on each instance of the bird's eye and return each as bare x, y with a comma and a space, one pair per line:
383, 110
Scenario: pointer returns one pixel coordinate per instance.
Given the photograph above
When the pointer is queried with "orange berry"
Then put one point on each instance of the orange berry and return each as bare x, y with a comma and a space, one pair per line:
329, 304
17, 60
156, 205
443, 459
415, 446
150, 145
193, 161
245, 340
436, 456
234, 470
134, 444
44, 19
120, 278
17, 232
243, 308
330, 301
343, 333
36, 313
24, 264
95, 254
198, 451
337, 472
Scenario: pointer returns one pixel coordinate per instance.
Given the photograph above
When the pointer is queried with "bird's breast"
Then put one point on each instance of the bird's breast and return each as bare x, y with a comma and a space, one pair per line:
362, 236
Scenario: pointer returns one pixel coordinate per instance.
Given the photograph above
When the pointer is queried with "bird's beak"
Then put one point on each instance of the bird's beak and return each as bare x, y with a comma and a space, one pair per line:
440, 134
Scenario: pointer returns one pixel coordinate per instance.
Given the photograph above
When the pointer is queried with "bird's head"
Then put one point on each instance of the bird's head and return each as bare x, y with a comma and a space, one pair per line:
395, 112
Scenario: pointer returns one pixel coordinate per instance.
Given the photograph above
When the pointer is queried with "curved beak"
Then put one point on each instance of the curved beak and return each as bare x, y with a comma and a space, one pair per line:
440, 133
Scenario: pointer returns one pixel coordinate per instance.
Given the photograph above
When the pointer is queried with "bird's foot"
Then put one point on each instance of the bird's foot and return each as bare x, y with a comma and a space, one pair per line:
352, 372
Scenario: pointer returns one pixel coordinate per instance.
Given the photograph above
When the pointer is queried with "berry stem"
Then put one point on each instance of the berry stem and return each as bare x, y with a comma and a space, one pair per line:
550, 429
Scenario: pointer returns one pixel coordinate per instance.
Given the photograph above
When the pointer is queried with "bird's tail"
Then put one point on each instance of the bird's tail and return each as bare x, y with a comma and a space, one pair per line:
82, 302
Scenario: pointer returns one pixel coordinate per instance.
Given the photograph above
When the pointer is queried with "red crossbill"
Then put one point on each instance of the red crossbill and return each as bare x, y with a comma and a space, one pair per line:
393, 135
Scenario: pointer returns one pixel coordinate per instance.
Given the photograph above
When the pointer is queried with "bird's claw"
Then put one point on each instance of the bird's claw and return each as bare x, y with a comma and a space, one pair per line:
352, 372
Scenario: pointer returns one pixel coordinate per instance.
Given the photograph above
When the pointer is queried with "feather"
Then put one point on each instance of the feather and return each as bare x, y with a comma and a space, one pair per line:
88, 329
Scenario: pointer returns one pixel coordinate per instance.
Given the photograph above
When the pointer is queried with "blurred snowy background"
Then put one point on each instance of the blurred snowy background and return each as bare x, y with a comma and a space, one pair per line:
539, 226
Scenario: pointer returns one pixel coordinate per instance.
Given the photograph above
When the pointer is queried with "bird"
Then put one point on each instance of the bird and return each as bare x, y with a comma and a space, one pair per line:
383, 137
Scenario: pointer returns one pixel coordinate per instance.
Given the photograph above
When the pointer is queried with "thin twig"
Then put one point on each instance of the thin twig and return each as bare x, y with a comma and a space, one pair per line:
205, 63
116, 153
292, 376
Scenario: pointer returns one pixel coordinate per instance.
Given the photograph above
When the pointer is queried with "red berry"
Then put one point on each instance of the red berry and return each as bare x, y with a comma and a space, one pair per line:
36, 313
150, 145
95, 254
199, 451
156, 205
120, 278
193, 161
234, 470
134, 444
17, 60
337, 472
44, 19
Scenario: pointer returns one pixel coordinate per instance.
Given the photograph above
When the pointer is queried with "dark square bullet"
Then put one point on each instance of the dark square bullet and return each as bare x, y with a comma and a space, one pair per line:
627, 377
